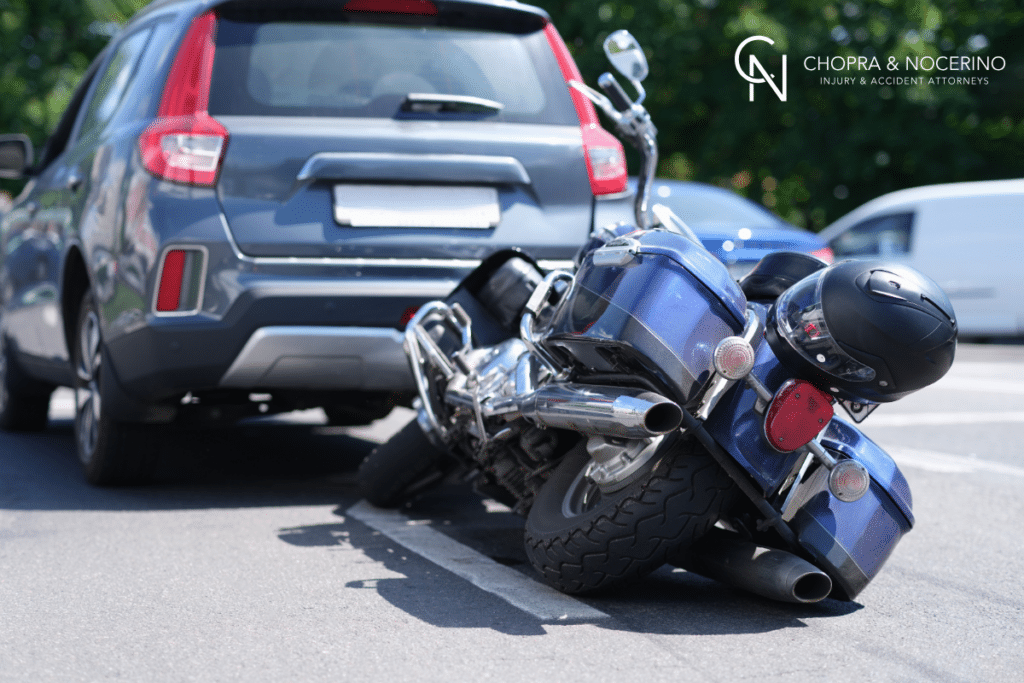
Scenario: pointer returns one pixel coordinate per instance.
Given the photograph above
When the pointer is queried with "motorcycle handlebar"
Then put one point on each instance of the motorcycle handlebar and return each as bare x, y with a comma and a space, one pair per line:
616, 95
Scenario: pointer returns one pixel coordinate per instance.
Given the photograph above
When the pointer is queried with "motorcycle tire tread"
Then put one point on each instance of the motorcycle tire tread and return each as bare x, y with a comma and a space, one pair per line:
660, 515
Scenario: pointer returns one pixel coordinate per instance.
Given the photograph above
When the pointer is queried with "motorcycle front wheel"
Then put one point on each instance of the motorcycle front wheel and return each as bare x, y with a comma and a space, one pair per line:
403, 467
582, 539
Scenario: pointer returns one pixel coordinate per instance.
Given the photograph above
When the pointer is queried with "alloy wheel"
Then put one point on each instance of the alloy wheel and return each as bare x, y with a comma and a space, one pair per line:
4, 396
88, 402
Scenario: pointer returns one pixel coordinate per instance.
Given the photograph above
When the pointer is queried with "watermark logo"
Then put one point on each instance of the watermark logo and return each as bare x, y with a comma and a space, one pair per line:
756, 67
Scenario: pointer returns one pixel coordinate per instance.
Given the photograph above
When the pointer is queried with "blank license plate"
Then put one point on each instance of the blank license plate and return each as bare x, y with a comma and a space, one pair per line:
416, 206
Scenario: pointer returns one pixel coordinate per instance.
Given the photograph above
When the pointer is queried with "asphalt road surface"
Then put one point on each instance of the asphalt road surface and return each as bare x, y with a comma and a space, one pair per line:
253, 559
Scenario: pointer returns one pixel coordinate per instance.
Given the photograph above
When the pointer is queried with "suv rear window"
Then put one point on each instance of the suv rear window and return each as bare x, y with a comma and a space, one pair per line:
295, 68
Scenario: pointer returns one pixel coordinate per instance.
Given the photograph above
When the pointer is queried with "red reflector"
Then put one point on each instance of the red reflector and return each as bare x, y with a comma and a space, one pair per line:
395, 6
408, 314
171, 276
797, 413
605, 157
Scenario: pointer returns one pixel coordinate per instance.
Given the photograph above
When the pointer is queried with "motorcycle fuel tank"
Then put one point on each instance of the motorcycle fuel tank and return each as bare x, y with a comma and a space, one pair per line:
664, 308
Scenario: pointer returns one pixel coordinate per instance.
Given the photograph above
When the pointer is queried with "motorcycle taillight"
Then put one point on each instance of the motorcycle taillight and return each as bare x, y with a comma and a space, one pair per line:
796, 415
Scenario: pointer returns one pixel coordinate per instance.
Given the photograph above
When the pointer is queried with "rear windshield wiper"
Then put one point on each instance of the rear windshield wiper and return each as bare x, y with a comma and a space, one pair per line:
434, 103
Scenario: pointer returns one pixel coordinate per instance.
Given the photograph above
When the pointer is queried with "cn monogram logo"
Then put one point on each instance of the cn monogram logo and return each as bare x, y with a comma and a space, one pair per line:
756, 67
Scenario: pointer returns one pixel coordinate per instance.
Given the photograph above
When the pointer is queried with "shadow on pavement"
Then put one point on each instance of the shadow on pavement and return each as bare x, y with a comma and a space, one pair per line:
254, 464
668, 602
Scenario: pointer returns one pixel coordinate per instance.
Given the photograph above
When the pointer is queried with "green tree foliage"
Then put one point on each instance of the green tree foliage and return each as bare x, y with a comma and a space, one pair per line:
45, 47
828, 148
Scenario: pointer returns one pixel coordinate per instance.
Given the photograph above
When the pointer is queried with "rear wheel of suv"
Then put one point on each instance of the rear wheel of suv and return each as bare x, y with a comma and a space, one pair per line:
111, 452
24, 403
359, 408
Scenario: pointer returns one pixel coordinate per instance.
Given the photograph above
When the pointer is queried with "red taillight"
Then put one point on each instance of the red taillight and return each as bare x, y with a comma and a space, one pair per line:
394, 6
605, 157
185, 143
606, 160
408, 315
171, 275
825, 254
796, 415
184, 148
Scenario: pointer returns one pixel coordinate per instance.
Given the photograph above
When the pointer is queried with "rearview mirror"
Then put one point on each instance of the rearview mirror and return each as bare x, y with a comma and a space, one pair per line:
625, 55
15, 155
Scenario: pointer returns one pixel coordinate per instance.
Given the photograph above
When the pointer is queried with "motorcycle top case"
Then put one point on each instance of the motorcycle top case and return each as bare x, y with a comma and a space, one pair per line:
665, 308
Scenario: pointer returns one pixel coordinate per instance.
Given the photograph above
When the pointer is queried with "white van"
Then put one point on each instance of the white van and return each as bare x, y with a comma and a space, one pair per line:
965, 236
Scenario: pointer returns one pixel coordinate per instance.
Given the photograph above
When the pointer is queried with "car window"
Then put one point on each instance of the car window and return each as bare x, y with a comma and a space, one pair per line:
58, 140
114, 83
323, 69
887, 235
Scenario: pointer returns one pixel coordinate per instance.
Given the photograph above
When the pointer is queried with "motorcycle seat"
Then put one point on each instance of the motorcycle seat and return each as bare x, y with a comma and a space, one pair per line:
777, 272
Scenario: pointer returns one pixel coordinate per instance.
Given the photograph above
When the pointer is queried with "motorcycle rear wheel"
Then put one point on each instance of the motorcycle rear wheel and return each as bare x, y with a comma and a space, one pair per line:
583, 540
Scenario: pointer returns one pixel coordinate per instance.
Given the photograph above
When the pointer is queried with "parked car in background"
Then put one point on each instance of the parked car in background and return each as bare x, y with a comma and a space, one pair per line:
736, 230
956, 234
245, 201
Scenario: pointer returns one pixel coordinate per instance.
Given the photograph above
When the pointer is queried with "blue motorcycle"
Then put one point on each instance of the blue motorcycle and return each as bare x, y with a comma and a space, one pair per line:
648, 409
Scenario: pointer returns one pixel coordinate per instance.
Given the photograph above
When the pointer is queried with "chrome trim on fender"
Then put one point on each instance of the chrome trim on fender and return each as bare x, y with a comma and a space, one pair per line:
355, 287
392, 166
311, 357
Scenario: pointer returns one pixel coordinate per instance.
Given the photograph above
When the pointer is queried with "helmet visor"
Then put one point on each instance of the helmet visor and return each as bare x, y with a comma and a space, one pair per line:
801, 322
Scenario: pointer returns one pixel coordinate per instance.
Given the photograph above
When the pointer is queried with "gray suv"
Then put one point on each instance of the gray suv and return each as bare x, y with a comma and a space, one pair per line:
245, 201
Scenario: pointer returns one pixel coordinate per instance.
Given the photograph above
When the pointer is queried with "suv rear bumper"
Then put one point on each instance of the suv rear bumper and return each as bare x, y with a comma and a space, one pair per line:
313, 357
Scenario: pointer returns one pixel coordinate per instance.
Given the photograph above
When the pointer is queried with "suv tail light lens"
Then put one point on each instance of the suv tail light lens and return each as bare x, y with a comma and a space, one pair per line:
605, 157
606, 161
796, 415
185, 143
825, 254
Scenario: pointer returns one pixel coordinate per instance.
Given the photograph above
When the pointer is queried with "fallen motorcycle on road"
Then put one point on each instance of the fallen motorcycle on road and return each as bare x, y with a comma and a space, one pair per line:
647, 409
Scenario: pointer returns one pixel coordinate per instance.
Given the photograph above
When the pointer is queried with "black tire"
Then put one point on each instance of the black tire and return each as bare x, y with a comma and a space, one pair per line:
506, 292
581, 547
359, 409
111, 452
24, 402
403, 467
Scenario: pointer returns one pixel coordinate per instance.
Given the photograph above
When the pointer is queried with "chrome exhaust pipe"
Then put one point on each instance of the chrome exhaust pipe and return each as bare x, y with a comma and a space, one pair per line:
768, 572
604, 411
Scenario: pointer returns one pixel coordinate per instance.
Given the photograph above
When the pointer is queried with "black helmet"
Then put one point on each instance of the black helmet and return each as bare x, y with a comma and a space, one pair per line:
867, 331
